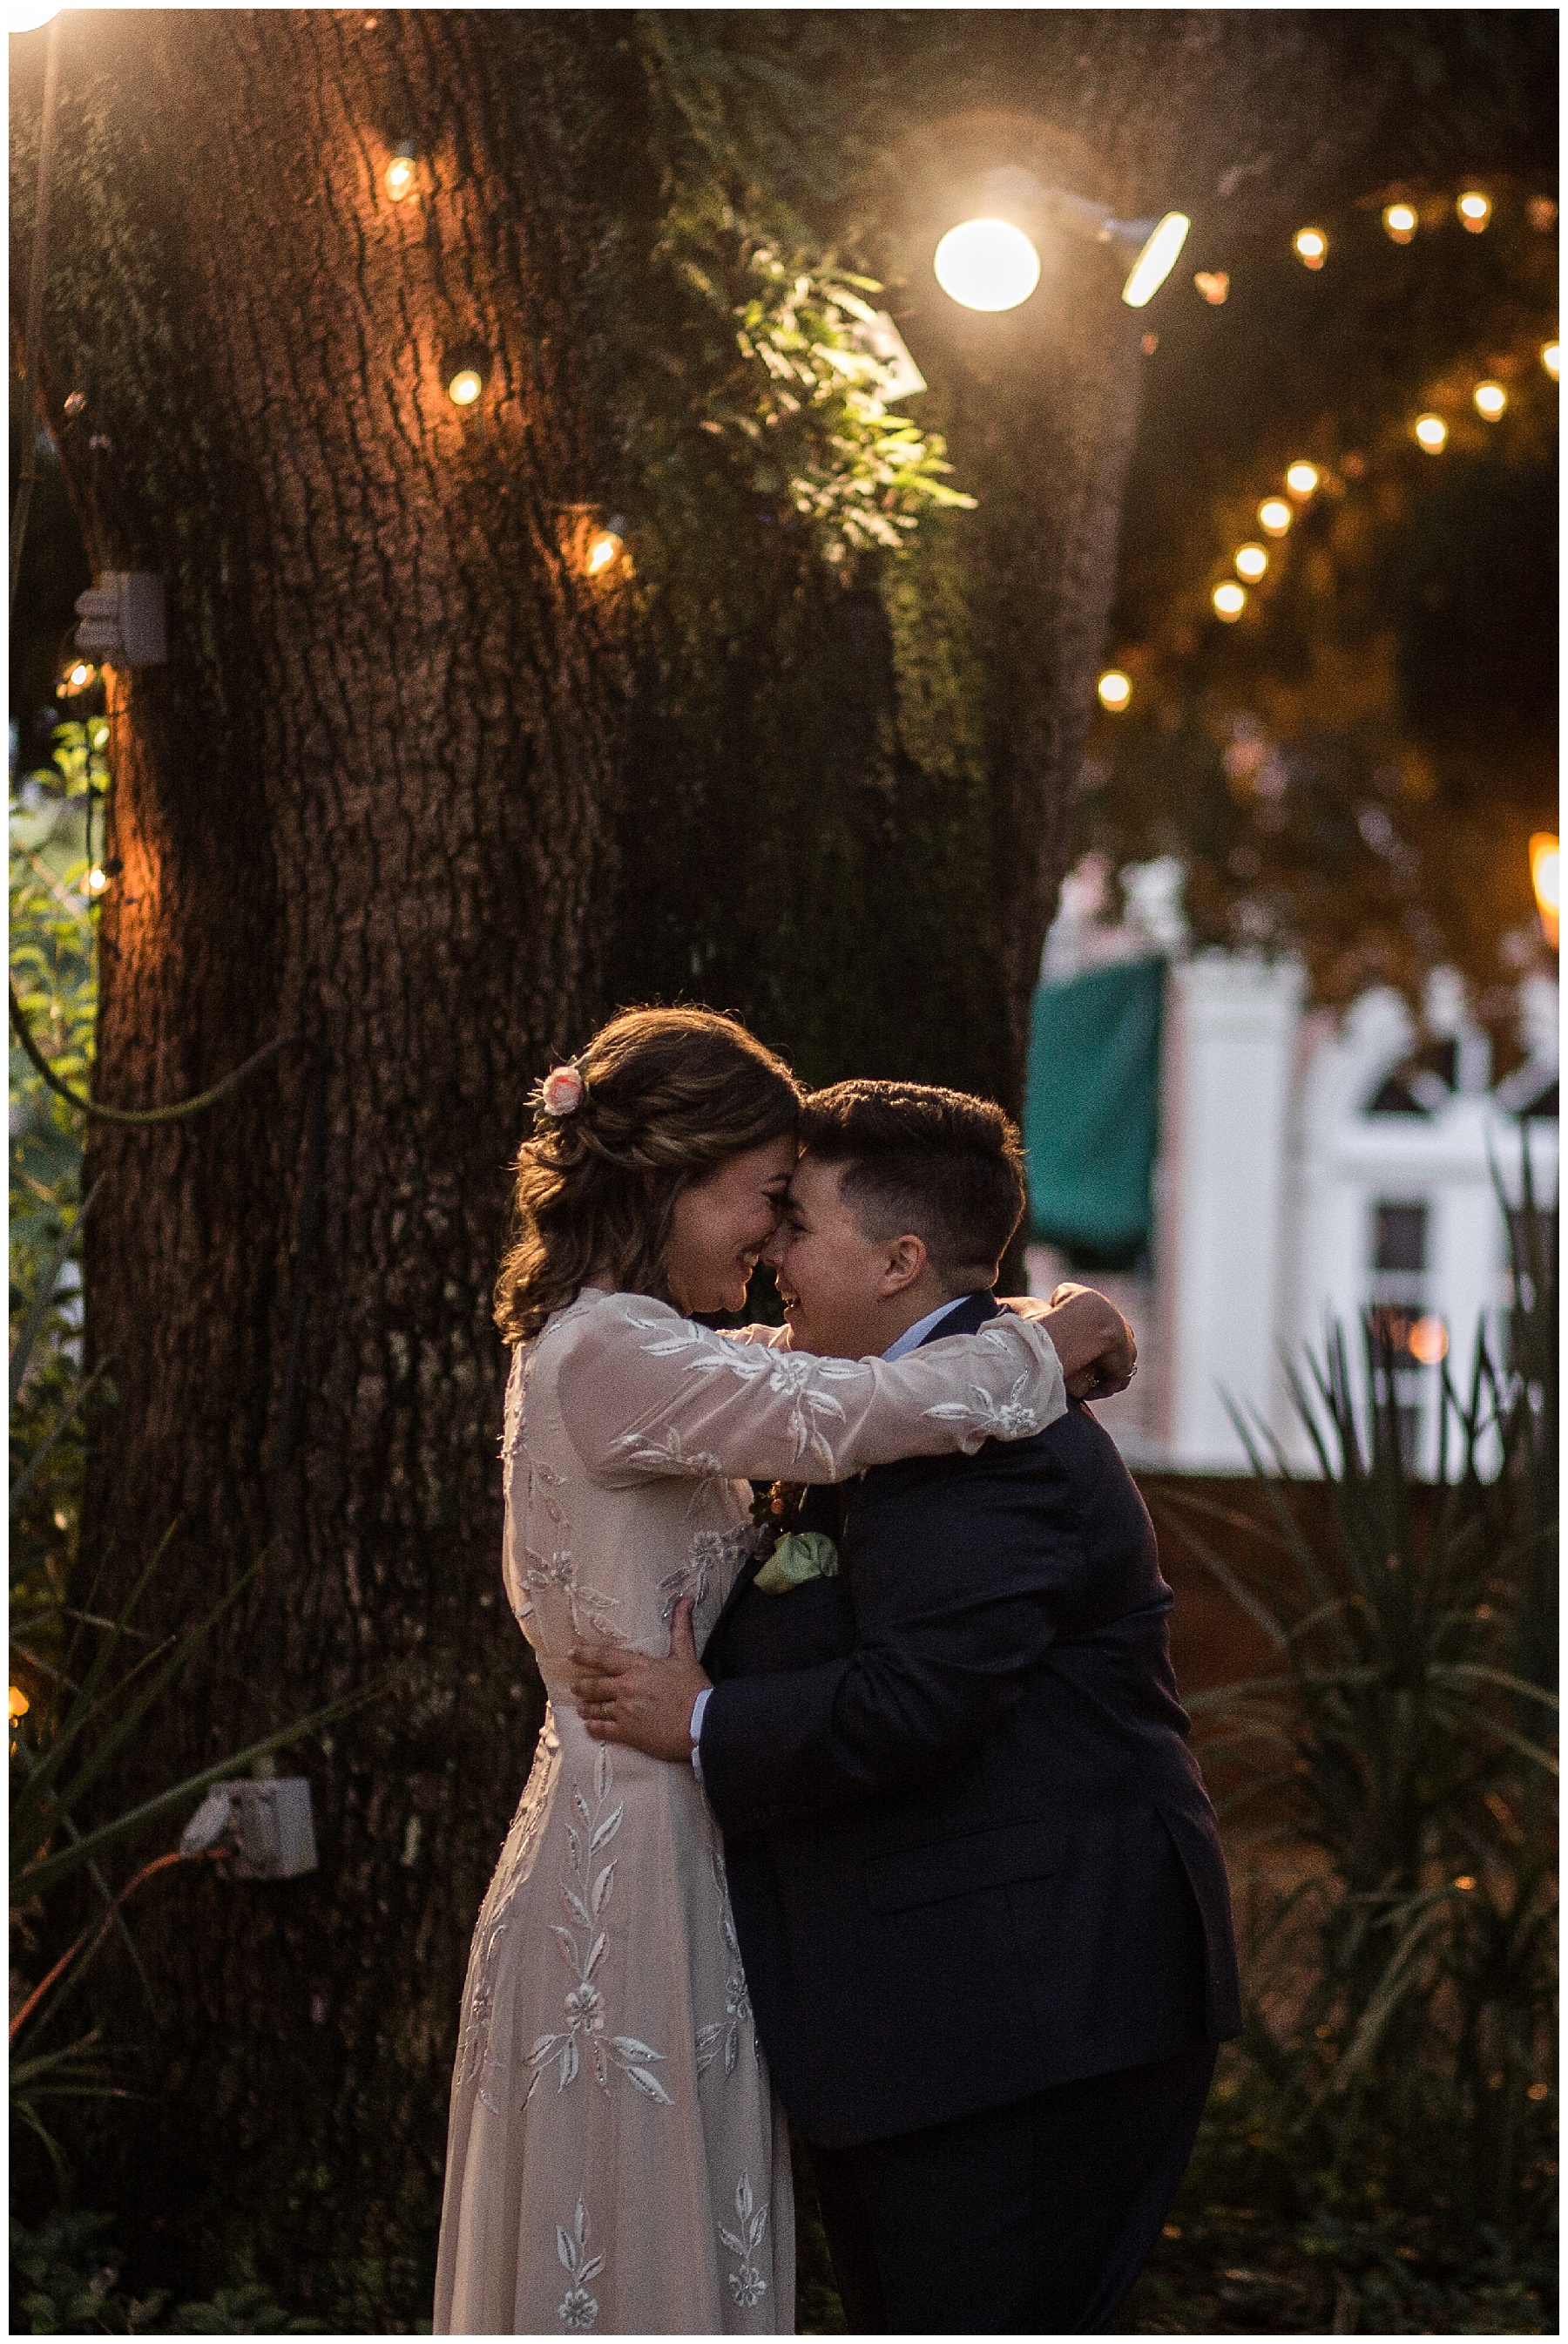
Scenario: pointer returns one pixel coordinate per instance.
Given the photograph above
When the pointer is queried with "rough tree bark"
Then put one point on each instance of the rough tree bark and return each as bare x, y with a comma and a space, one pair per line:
369, 801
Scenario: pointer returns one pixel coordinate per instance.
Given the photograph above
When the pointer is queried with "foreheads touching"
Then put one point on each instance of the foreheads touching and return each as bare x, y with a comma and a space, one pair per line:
914, 1160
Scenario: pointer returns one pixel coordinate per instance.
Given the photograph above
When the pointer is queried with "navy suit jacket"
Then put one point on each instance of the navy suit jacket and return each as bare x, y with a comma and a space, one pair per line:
971, 1855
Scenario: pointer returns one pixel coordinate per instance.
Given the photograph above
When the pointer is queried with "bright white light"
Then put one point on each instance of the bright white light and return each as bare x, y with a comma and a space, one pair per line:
987, 264
1303, 479
1545, 878
465, 386
1491, 399
1251, 560
1401, 222
1115, 690
98, 880
1474, 209
1312, 246
1157, 259
1552, 358
605, 549
1432, 433
1275, 514
400, 176
1230, 599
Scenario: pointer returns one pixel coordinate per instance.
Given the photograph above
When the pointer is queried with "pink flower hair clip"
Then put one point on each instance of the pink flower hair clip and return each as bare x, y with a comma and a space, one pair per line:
562, 1091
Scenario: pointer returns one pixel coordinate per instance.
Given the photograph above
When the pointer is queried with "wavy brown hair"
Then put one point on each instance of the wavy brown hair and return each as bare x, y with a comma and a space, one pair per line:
670, 1095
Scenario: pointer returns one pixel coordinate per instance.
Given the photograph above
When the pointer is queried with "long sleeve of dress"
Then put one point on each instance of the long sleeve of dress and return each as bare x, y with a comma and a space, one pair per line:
645, 1394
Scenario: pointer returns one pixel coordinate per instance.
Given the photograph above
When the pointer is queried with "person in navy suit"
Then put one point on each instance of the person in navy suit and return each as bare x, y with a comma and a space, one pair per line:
977, 1881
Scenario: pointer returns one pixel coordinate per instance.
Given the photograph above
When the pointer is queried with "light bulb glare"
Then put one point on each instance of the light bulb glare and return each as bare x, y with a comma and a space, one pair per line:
1311, 247
20, 1705
1251, 560
1115, 690
1275, 515
1230, 599
400, 174
465, 386
604, 549
1551, 359
1401, 222
80, 676
1428, 1340
98, 880
987, 264
1303, 480
1474, 209
1544, 878
1491, 399
1157, 259
1432, 433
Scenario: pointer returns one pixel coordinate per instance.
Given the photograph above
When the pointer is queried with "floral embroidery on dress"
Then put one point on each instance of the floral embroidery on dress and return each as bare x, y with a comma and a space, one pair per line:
724, 2033
511, 1875
795, 1375
713, 1553
747, 2285
1011, 1419
583, 1944
577, 2308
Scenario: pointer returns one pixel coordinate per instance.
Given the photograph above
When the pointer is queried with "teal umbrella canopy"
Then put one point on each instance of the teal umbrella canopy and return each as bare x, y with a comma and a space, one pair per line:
1092, 1110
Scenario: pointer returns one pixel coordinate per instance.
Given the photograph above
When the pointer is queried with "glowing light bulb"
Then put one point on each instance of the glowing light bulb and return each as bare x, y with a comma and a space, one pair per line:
98, 880
1474, 209
1401, 222
20, 1705
1311, 247
465, 386
1229, 600
1157, 259
80, 676
1432, 433
1551, 358
1303, 480
100, 736
1428, 1341
987, 264
401, 174
1115, 690
1491, 399
1251, 560
1544, 879
1275, 515
604, 548
1215, 285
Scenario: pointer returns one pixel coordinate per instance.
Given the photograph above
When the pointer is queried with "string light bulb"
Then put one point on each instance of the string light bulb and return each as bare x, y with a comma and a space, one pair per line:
20, 1705
1251, 560
1156, 261
79, 677
1474, 209
1428, 1340
1229, 600
1311, 247
1551, 358
401, 173
1399, 222
1432, 433
606, 547
1303, 479
1115, 690
1491, 399
986, 264
1544, 879
465, 374
1275, 515
98, 880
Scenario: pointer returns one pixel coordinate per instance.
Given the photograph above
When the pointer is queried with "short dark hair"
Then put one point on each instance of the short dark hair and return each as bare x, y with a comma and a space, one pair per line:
947, 1167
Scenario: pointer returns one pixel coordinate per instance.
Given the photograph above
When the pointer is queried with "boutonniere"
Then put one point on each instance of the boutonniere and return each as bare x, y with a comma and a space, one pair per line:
789, 1557
799, 1557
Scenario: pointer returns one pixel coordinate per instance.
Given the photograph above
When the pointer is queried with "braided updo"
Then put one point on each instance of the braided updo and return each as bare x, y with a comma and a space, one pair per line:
668, 1096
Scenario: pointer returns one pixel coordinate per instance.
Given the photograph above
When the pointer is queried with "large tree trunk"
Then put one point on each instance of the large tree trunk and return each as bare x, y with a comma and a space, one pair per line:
369, 802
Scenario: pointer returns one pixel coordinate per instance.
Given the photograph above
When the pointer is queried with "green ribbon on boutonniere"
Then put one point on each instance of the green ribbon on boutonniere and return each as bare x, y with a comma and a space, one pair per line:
799, 1557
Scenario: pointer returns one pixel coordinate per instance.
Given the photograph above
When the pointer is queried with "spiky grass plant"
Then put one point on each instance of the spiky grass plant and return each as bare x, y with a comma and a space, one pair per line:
1402, 2009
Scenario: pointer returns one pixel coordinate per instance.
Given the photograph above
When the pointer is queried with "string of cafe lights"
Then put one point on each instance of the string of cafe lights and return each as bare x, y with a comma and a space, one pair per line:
1303, 479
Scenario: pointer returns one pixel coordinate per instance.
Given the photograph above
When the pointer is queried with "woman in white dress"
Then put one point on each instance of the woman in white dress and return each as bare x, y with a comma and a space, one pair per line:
614, 2158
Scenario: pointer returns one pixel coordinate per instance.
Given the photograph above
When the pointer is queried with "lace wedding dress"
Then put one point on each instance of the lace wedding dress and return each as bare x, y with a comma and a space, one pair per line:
614, 2158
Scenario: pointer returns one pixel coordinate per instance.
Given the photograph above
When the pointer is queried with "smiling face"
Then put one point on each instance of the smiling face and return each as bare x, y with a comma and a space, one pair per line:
721, 1224
845, 1292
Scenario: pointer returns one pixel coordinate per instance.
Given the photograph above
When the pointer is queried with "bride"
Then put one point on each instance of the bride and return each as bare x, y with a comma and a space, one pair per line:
614, 2158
